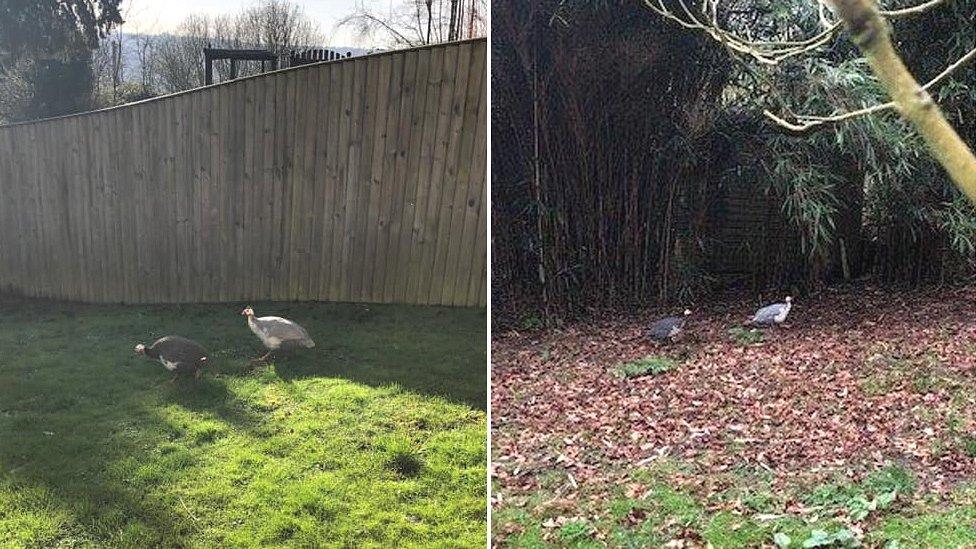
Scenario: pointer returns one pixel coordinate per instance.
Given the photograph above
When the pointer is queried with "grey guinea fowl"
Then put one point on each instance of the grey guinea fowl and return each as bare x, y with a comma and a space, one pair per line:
277, 333
177, 354
773, 314
668, 328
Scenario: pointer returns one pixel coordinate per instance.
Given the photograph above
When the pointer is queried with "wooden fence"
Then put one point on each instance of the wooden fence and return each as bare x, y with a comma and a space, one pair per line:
354, 180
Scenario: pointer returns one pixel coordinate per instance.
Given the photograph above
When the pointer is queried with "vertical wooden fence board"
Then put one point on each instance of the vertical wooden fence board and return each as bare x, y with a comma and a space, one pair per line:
93, 158
214, 236
284, 145
377, 163
277, 156
479, 261
359, 179
40, 180
339, 176
295, 243
307, 206
440, 185
246, 198
129, 156
331, 183
465, 164
403, 225
352, 242
8, 202
473, 206
155, 278
236, 184
255, 213
451, 181
184, 195
398, 184
7, 255
225, 224
394, 110
171, 261
268, 183
364, 174
317, 206
199, 140
52, 159
117, 228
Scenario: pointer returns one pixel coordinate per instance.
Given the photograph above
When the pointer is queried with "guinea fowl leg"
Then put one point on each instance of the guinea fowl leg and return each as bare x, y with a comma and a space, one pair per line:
197, 374
174, 378
261, 358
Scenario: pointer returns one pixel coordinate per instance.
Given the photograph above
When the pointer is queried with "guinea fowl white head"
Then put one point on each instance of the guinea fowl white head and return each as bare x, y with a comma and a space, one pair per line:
276, 332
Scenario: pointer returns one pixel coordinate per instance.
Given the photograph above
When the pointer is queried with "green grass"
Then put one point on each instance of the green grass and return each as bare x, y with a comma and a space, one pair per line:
652, 365
376, 437
749, 513
745, 336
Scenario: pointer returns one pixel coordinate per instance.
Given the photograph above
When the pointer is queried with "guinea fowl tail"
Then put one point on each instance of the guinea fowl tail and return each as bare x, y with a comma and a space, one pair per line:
308, 343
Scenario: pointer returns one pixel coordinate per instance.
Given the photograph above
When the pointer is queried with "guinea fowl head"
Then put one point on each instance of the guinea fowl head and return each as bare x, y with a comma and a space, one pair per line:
687, 312
248, 311
789, 299
140, 349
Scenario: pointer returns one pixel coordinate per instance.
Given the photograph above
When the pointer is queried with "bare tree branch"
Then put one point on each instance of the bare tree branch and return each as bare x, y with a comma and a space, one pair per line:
870, 32
765, 52
805, 123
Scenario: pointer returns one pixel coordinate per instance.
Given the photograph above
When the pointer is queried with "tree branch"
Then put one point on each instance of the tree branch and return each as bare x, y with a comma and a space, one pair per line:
765, 52
870, 32
805, 123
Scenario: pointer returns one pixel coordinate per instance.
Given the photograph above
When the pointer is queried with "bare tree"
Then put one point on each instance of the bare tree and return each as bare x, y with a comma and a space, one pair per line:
277, 25
178, 61
418, 22
145, 51
274, 25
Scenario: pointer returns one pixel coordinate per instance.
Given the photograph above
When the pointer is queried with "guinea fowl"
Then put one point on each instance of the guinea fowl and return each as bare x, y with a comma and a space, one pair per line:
177, 354
668, 328
773, 314
277, 333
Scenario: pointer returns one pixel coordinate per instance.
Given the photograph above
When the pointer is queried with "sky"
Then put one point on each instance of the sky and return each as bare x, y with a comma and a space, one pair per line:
156, 16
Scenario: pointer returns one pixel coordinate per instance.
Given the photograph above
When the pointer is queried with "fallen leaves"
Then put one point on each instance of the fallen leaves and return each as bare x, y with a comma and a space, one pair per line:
858, 378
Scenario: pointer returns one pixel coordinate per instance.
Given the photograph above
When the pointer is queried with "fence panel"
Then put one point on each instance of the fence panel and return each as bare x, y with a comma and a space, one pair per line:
359, 179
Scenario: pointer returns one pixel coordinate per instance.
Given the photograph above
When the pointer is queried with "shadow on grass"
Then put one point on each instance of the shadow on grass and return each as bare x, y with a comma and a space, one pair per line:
435, 351
87, 428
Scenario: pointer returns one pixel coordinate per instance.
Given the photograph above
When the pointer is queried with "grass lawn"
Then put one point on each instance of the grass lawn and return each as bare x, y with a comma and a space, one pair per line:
376, 437
643, 507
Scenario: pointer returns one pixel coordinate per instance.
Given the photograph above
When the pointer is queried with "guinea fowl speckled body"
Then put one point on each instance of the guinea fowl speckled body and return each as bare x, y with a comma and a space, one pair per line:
277, 333
668, 328
177, 354
773, 314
